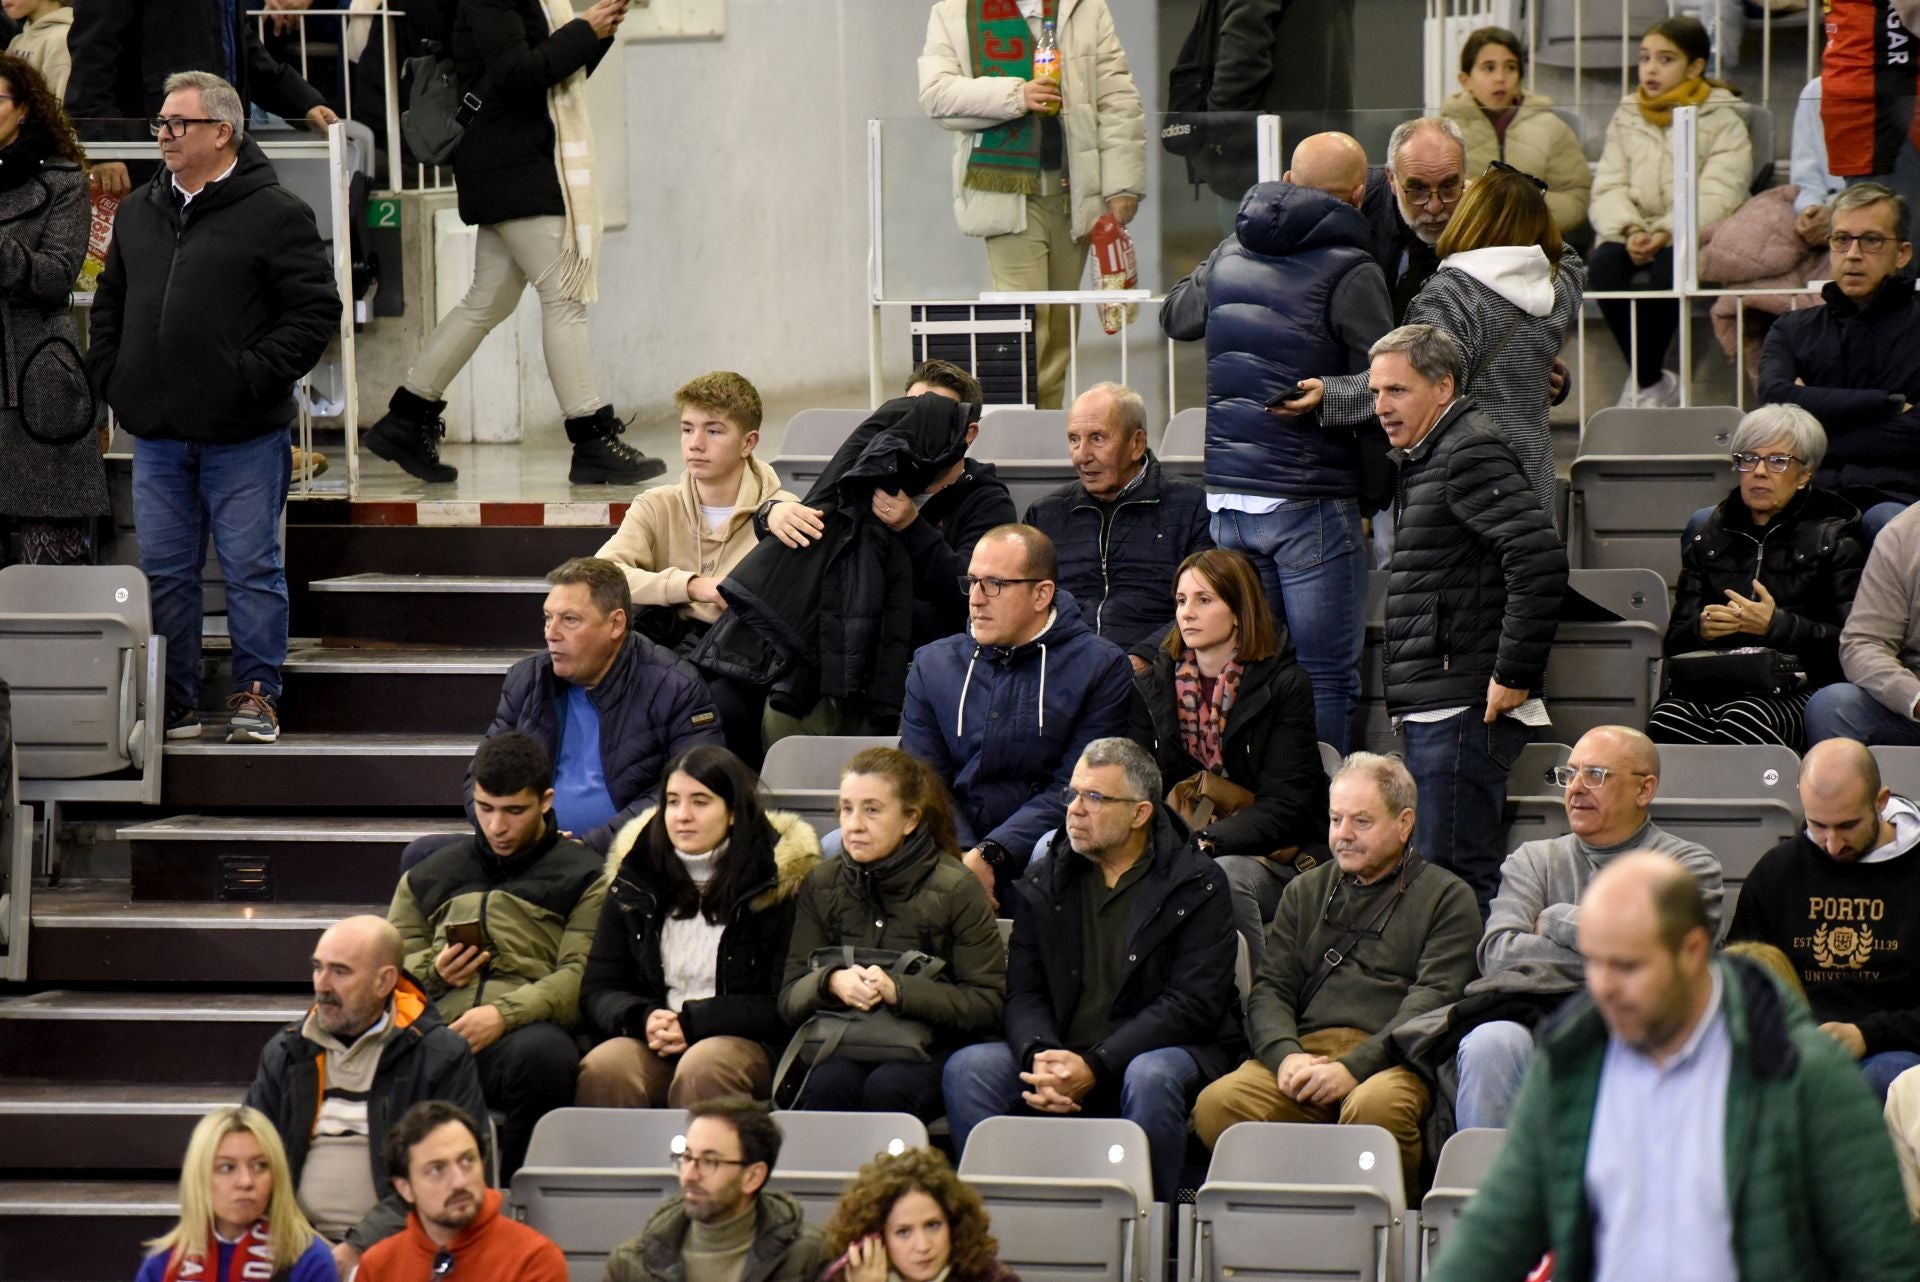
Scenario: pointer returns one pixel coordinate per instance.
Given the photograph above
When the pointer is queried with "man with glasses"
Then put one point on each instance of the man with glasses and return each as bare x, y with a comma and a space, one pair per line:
1854, 364
1120, 971
726, 1225
216, 298
1002, 711
1357, 947
455, 1229
1410, 200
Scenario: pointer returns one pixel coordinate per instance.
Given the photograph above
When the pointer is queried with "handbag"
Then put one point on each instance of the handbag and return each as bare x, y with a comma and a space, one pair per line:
1715, 676
876, 1036
437, 113
1203, 797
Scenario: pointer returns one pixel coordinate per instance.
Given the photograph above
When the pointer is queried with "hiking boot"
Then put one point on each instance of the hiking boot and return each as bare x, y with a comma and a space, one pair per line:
409, 434
182, 723
254, 719
600, 457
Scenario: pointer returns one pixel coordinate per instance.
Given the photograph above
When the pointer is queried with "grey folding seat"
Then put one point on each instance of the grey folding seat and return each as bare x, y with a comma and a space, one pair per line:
1628, 511
1183, 448
821, 1152
1654, 430
809, 443
1463, 1164
802, 774
593, 1176
1029, 450
1900, 770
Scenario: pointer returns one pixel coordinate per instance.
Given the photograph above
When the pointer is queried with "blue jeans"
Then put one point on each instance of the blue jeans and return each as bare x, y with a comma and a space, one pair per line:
182, 492
1491, 1061
1881, 1069
1872, 521
1845, 711
1460, 766
1313, 566
1156, 1092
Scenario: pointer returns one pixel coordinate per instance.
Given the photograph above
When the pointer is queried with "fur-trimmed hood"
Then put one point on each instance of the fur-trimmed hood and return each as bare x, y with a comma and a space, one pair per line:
796, 849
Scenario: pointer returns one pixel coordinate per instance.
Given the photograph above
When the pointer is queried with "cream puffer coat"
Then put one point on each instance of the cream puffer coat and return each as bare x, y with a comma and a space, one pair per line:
1634, 185
1538, 142
1106, 135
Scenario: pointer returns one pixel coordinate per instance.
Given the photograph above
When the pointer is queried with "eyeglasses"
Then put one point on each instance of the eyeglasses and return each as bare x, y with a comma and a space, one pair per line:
1871, 243
1419, 194
1071, 795
1776, 463
1592, 776
443, 1263
992, 587
176, 126
705, 1163
1503, 167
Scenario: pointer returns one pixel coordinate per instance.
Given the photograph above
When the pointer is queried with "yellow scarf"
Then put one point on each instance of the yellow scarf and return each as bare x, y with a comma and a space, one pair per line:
1688, 93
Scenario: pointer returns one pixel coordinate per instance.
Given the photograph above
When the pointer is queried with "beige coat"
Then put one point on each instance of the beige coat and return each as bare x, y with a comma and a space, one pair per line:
1634, 185
43, 42
1538, 142
664, 544
1106, 133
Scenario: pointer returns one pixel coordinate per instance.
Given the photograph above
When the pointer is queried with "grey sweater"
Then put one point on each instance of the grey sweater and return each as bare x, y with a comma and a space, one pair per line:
1880, 646
1529, 946
1420, 960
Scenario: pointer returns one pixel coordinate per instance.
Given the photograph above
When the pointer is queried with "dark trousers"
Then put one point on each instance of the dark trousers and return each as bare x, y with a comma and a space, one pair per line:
1460, 766
742, 707
842, 1086
1610, 268
526, 1075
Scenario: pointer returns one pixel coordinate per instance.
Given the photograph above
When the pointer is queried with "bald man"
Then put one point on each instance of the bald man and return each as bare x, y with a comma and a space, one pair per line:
1842, 901
1529, 957
1295, 286
370, 1048
1686, 1122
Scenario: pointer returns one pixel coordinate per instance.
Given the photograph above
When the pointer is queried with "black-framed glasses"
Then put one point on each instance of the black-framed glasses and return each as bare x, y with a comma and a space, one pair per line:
1503, 167
1071, 795
991, 586
1419, 194
1870, 243
443, 1263
1776, 463
705, 1163
176, 127
1592, 776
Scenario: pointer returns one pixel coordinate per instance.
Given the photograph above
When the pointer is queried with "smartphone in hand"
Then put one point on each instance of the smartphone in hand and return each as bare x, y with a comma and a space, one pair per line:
1293, 393
467, 934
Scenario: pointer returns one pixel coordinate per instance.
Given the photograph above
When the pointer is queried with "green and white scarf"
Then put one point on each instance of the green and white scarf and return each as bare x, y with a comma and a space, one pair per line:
1005, 157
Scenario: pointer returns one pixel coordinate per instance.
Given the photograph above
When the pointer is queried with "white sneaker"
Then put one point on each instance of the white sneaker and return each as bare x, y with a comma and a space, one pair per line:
1629, 392
1662, 395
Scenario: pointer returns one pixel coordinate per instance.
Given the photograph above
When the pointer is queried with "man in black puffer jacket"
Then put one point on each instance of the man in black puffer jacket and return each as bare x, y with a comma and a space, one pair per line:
1477, 577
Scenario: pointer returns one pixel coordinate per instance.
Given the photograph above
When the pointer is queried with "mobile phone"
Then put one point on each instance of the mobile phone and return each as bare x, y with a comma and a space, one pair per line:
1293, 393
467, 933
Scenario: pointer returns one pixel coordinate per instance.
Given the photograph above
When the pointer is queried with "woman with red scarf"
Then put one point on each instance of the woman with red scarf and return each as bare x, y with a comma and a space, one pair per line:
238, 1216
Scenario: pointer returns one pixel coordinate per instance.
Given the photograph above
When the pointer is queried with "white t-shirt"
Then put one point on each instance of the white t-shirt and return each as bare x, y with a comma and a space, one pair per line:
716, 517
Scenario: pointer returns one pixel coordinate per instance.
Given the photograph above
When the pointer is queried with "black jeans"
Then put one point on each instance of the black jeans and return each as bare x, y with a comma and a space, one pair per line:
1610, 268
842, 1086
526, 1075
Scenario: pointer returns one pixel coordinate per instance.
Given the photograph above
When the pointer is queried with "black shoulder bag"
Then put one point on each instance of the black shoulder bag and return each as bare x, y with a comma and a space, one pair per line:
1410, 870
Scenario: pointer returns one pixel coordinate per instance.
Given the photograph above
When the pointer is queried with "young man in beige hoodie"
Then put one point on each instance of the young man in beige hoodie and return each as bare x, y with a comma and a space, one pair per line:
680, 539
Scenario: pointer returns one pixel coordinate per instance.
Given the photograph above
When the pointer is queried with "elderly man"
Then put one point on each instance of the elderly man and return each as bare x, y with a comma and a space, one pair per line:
1687, 1123
1528, 958
1410, 201
1357, 947
1294, 291
372, 1047
1477, 576
216, 297
1842, 901
1125, 526
1855, 363
1120, 997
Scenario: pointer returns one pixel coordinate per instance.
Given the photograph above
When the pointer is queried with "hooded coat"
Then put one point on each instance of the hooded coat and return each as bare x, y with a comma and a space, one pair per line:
1005, 725
1633, 185
1537, 142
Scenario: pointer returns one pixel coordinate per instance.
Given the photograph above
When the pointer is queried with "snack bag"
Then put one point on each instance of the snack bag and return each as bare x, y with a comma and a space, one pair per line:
99, 237
1114, 268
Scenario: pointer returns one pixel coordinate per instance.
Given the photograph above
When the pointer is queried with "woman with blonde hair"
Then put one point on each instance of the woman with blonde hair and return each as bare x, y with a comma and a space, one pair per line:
910, 1217
238, 1215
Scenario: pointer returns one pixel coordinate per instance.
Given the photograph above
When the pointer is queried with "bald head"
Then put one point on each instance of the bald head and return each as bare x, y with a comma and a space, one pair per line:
1839, 769
356, 967
1331, 162
370, 937
1843, 799
1612, 811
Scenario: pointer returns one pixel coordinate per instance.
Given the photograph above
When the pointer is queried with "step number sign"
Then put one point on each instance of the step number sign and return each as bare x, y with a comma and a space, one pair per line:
383, 213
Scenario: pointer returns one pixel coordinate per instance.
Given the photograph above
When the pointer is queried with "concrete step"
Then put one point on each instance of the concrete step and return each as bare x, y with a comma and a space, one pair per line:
81, 1231
428, 609
287, 860
170, 1038
64, 1126
96, 933
342, 690
307, 770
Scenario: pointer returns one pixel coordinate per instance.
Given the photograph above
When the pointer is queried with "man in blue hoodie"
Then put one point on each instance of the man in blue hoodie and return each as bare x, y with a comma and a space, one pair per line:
1004, 710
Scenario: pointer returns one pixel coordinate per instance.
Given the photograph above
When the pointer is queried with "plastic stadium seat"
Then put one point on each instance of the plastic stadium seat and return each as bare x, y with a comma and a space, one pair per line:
809, 442
1183, 447
1296, 1201
1691, 429
1534, 806
821, 1152
1029, 449
594, 1175
1070, 1197
1739, 802
1463, 1164
16, 869
1330, 758
802, 774
1628, 511
1900, 770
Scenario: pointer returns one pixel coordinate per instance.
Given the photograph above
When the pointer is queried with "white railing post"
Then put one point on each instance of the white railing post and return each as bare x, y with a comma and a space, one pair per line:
1267, 142
1686, 234
876, 259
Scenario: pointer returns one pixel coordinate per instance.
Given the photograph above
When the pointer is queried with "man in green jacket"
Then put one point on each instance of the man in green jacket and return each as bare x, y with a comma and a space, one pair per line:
1687, 1121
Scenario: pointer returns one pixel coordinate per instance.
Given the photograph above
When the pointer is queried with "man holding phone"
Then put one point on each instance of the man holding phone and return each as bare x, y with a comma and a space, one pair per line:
498, 926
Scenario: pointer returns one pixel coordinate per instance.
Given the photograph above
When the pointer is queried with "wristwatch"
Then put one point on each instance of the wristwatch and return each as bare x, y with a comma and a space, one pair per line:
994, 853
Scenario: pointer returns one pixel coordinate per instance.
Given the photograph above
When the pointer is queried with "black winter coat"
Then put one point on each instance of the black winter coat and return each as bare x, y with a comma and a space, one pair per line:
1271, 749
1407, 260
835, 618
505, 167
1851, 360
203, 322
626, 980
424, 1060
1258, 69
1477, 574
1177, 987
940, 542
652, 705
1119, 558
1809, 556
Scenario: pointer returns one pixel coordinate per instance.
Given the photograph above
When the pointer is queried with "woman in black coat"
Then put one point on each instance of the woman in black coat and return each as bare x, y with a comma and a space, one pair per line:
686, 961
1224, 696
1775, 565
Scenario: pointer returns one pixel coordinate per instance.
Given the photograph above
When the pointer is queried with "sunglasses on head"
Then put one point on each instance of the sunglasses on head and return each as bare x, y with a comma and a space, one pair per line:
1503, 167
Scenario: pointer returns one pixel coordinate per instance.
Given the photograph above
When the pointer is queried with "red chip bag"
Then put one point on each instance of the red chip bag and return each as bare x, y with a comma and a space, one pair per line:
1115, 268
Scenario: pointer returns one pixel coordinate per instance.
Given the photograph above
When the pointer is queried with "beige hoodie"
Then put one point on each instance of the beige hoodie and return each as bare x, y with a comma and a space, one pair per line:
43, 42
664, 543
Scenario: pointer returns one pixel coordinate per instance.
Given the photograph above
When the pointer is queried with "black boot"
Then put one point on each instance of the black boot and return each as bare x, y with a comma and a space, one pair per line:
409, 434
600, 457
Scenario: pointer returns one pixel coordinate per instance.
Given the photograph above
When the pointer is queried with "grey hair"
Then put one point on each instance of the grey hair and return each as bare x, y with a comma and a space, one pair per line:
1860, 195
1129, 408
1143, 776
1403, 134
1772, 422
1389, 775
1430, 350
217, 98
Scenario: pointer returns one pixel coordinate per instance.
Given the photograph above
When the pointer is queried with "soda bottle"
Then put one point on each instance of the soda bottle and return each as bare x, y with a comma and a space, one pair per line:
1046, 61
